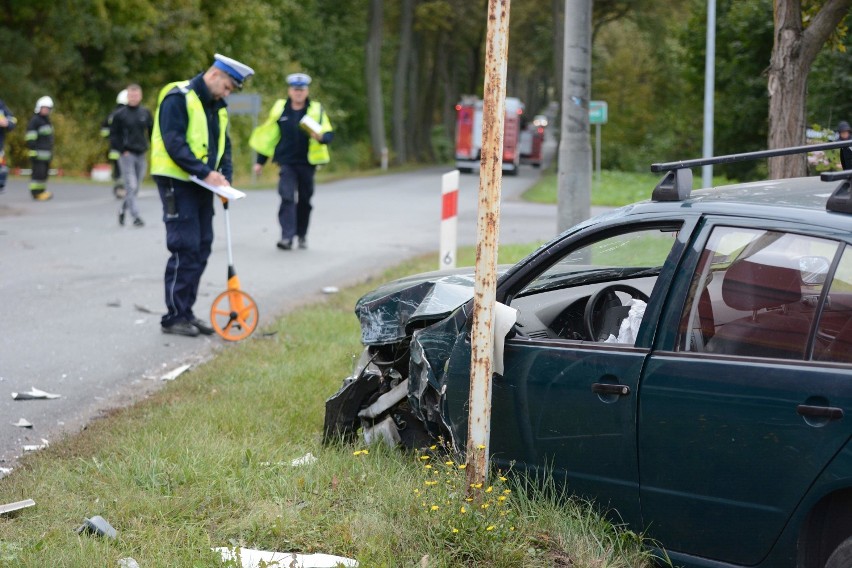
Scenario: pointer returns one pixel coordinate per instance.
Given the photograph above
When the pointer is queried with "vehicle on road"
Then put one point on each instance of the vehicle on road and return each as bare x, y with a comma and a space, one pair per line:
685, 361
468, 147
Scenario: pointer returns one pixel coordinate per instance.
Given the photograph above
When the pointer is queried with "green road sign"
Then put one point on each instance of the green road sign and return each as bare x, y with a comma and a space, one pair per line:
597, 112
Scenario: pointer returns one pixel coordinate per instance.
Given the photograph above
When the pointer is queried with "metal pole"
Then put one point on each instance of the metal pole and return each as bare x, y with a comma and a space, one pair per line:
709, 88
598, 151
488, 228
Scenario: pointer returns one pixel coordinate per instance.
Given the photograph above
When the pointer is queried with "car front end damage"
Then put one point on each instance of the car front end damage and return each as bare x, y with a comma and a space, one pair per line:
395, 393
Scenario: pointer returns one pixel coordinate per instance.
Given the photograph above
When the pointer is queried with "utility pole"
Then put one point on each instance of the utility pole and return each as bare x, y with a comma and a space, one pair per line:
709, 89
575, 151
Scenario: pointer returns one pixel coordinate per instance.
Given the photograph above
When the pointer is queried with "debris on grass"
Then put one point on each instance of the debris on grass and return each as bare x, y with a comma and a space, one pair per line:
172, 375
251, 558
36, 447
34, 394
306, 459
16, 506
98, 526
23, 423
330, 290
127, 563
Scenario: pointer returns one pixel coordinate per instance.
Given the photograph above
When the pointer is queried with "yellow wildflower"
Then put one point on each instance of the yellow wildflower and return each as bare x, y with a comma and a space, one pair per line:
486, 505
490, 489
501, 498
462, 465
489, 528
424, 457
463, 510
502, 478
433, 447
434, 508
480, 447
455, 530
506, 491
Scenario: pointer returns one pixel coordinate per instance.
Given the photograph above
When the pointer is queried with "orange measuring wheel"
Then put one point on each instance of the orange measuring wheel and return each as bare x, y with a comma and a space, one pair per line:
234, 315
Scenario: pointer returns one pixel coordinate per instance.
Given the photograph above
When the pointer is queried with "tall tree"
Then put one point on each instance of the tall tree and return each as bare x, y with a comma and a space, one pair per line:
793, 53
403, 61
373, 70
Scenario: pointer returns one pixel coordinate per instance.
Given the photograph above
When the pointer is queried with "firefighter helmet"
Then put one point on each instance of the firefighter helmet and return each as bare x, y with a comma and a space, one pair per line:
43, 102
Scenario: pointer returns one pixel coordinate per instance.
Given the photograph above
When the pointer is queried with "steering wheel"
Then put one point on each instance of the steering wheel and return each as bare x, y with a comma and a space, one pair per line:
604, 309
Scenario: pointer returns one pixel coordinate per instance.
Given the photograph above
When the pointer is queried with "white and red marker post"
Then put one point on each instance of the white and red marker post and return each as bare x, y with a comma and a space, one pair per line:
449, 219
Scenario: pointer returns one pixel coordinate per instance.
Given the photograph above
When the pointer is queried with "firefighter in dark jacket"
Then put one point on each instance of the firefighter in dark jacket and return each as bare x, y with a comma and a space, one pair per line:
191, 138
113, 154
39, 137
7, 123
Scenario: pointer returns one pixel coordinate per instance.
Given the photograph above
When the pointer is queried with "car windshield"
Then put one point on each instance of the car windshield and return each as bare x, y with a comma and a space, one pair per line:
626, 255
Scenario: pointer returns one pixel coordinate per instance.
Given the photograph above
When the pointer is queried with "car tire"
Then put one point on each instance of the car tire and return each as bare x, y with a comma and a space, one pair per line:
842, 555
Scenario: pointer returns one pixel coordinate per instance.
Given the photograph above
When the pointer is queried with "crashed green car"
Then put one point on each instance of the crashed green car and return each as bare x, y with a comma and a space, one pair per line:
685, 362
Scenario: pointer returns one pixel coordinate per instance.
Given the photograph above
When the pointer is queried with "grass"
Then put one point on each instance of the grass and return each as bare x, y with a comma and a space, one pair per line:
613, 189
206, 462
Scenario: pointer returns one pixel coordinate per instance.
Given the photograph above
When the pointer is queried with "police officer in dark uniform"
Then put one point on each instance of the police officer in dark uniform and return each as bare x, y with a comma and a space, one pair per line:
190, 137
7, 123
843, 133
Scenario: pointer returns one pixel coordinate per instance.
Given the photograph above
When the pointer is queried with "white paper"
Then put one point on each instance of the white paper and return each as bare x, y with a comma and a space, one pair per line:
175, 373
225, 191
504, 318
34, 394
250, 558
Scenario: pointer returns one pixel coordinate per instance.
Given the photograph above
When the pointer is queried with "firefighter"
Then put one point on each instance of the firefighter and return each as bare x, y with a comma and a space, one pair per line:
39, 138
112, 153
7, 123
190, 137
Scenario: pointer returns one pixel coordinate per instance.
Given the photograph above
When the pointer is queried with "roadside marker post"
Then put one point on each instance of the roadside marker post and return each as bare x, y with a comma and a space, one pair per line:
449, 219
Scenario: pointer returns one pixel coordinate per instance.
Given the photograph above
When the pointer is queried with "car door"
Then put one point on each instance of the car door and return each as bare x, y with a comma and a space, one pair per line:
739, 412
567, 403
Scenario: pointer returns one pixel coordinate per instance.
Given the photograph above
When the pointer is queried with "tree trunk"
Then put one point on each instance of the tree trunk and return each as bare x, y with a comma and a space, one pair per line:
375, 102
793, 54
558, 11
575, 152
401, 81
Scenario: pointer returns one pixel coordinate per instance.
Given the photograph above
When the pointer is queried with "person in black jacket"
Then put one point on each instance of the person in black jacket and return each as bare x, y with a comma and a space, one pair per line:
112, 153
130, 133
843, 133
7, 123
39, 138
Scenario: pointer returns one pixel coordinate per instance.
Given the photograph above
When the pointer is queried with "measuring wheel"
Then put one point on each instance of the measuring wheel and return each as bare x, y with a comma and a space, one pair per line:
234, 315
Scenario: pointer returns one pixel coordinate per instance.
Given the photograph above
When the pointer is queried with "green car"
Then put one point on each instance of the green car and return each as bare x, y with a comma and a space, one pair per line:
684, 361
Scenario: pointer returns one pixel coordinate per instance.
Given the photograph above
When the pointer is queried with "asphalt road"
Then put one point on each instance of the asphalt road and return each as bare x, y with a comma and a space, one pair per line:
77, 288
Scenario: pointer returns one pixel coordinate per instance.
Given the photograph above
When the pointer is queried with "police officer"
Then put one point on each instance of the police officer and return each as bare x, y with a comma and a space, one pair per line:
843, 133
190, 137
298, 149
7, 123
39, 138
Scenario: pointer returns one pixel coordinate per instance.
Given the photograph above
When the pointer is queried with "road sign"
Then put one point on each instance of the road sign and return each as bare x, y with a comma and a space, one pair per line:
597, 112
243, 104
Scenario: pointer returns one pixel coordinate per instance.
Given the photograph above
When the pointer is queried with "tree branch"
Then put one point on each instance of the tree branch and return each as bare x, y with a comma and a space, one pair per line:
821, 28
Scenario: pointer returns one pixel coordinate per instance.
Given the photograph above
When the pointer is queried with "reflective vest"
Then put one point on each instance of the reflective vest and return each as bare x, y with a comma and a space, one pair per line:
197, 134
265, 137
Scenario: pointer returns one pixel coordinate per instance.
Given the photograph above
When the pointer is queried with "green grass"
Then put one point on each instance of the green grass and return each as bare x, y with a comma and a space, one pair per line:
614, 188
205, 462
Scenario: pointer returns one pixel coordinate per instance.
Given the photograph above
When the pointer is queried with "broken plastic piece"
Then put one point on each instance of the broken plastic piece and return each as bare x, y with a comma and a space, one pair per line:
250, 558
385, 431
99, 526
34, 394
172, 375
330, 290
23, 423
4, 471
35, 447
16, 506
306, 459
127, 563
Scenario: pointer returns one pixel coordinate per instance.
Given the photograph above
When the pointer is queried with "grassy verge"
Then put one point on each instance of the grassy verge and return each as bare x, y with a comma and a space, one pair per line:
613, 189
206, 462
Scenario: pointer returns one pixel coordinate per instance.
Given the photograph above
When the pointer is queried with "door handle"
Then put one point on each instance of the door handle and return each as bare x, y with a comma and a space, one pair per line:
830, 412
605, 388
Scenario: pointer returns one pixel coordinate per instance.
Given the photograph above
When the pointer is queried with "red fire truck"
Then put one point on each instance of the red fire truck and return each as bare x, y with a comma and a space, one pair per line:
469, 134
532, 142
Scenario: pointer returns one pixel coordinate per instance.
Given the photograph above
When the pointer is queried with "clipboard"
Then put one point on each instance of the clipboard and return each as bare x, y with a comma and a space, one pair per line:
225, 191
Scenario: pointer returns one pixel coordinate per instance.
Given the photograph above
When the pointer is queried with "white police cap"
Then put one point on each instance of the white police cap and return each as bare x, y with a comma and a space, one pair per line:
298, 80
239, 72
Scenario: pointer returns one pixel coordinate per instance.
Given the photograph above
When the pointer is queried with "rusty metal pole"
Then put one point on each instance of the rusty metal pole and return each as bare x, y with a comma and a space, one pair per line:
488, 227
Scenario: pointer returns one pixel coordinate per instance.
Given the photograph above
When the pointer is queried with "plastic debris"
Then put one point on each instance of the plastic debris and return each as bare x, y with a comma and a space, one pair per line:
16, 506
34, 394
36, 447
4, 471
99, 526
330, 290
250, 558
306, 459
172, 375
127, 563
23, 423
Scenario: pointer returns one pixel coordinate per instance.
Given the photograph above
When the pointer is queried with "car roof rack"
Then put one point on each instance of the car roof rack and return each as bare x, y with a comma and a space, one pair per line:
676, 185
840, 200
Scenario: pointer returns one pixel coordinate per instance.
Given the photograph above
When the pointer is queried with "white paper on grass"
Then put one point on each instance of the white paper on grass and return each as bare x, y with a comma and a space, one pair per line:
172, 375
225, 191
504, 318
251, 558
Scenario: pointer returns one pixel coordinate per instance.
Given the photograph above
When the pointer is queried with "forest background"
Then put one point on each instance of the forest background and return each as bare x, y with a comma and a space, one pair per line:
416, 58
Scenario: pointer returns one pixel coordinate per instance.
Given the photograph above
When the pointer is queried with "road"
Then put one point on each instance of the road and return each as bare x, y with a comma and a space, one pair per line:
75, 284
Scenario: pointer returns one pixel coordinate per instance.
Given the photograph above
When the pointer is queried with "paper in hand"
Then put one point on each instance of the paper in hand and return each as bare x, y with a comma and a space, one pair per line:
225, 191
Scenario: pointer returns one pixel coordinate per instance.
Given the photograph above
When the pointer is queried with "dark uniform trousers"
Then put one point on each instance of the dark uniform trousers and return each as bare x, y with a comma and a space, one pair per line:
293, 215
188, 215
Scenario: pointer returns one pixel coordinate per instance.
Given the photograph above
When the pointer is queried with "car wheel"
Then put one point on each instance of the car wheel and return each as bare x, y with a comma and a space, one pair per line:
842, 555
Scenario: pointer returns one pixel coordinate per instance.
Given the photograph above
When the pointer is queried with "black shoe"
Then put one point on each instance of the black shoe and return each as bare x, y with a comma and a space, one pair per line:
181, 327
121, 218
303, 243
284, 245
202, 326
137, 222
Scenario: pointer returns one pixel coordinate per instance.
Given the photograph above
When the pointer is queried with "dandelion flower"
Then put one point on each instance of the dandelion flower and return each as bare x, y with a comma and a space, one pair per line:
468, 499
480, 447
430, 482
433, 447
424, 457
511, 528
501, 498
462, 466
434, 508
490, 489
449, 463
427, 466
489, 528
476, 485
506, 491
455, 530
463, 510
486, 505
503, 478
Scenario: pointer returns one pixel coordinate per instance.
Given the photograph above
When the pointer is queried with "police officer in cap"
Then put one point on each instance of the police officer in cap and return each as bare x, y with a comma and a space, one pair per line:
843, 132
190, 137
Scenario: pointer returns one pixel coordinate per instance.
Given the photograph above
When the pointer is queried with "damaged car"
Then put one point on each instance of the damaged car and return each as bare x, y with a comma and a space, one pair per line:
685, 361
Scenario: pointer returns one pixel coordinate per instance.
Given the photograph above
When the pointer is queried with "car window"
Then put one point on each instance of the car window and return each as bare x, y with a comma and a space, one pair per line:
834, 336
755, 293
618, 271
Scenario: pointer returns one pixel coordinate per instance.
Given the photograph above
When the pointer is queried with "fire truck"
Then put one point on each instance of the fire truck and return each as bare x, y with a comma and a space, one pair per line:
532, 142
469, 134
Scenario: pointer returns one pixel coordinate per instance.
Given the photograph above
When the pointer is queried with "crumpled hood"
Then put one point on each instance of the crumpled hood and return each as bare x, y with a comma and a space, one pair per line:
387, 311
